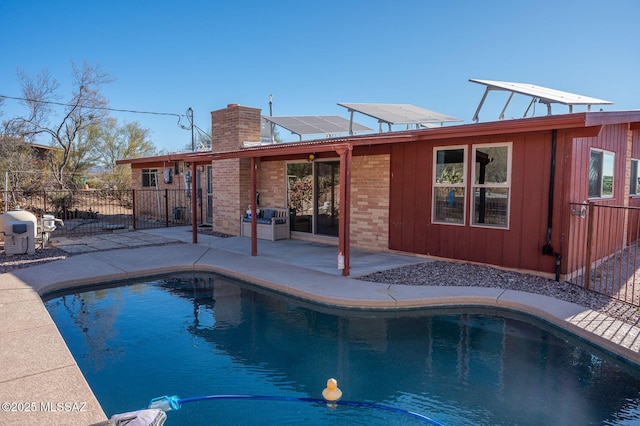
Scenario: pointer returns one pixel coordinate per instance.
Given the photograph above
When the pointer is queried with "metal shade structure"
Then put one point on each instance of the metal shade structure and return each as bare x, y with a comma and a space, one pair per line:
392, 114
540, 94
317, 125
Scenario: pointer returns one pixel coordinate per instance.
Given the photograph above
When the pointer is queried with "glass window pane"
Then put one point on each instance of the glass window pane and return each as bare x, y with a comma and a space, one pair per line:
633, 181
607, 174
450, 166
491, 206
595, 174
300, 193
492, 165
327, 197
149, 178
448, 204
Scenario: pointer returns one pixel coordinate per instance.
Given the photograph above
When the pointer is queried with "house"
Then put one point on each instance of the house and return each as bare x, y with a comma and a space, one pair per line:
497, 192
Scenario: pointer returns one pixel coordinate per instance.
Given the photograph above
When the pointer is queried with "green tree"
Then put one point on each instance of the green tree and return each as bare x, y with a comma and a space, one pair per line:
85, 108
82, 157
114, 142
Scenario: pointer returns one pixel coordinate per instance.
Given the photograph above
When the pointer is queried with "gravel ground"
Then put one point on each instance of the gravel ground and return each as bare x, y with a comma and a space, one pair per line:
440, 273
19, 261
436, 273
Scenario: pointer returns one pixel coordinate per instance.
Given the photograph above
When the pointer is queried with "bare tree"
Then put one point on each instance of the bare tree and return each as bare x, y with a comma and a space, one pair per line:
85, 108
19, 163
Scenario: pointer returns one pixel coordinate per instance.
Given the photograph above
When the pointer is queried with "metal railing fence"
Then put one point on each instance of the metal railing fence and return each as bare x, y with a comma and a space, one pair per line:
106, 210
603, 250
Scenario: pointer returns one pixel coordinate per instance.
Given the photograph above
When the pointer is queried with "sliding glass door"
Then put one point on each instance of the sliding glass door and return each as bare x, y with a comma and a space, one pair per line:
327, 190
314, 196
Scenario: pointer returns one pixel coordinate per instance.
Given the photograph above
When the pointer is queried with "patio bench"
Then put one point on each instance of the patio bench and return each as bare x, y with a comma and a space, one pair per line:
272, 224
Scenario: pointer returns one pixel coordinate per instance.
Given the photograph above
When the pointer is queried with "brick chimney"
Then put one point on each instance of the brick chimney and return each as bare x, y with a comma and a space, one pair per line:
232, 126
231, 178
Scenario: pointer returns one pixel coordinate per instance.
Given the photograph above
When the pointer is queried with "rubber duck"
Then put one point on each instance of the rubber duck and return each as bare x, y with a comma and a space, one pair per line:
331, 392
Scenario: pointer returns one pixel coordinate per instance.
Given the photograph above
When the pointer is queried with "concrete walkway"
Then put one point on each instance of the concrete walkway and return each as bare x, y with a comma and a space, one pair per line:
38, 368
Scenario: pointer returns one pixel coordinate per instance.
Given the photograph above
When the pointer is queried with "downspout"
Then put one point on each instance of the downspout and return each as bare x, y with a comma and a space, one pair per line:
547, 249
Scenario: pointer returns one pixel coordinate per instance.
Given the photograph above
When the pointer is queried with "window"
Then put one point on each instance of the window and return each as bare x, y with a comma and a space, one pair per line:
149, 178
449, 195
634, 185
491, 185
601, 174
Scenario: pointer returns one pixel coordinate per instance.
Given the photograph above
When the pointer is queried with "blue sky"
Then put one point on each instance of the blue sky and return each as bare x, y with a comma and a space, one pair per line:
169, 56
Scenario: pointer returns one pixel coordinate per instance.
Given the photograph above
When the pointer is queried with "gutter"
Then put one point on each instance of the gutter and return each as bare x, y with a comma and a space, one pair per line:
547, 249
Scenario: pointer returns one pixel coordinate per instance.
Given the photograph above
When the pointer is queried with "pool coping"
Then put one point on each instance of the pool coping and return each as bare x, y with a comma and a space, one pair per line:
41, 369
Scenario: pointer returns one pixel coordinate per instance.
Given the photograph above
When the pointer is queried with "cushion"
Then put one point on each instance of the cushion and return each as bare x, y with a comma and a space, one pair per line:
258, 220
269, 214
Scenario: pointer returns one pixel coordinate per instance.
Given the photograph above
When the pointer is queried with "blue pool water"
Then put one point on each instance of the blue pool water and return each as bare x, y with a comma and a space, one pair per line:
204, 335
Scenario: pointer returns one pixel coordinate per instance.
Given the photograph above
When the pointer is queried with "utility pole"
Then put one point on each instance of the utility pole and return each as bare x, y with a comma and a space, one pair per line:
190, 117
271, 115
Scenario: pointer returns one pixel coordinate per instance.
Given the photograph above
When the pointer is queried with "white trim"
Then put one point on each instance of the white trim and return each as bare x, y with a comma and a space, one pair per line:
505, 185
463, 184
613, 177
635, 185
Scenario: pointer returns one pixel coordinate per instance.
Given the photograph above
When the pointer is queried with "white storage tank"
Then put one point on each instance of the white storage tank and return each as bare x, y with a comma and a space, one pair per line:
17, 214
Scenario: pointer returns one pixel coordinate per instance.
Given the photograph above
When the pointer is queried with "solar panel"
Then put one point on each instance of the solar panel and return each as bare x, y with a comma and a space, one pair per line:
399, 113
541, 94
316, 124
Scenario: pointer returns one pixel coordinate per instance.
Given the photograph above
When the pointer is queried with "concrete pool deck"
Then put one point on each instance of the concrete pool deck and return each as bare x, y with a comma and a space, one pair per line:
42, 383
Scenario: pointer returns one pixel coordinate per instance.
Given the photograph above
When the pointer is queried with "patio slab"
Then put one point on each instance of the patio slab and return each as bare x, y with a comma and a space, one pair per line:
58, 397
21, 313
23, 355
70, 272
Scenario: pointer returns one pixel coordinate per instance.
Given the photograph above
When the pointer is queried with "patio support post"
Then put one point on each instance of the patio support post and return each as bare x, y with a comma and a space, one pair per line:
254, 208
133, 206
194, 204
166, 207
345, 209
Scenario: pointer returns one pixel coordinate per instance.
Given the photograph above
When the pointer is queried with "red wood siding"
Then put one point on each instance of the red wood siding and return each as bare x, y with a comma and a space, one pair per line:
613, 138
519, 246
634, 201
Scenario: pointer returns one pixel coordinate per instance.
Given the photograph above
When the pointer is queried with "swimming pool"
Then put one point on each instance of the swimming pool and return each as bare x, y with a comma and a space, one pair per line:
192, 335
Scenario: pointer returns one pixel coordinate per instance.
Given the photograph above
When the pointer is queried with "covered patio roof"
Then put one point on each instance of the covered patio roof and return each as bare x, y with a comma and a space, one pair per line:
590, 122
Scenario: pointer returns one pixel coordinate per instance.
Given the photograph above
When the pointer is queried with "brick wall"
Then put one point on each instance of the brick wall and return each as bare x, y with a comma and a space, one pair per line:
369, 197
370, 179
272, 184
147, 206
235, 124
227, 199
230, 127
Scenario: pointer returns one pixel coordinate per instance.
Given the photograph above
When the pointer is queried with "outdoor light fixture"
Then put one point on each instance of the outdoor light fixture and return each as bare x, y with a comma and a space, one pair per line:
312, 157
